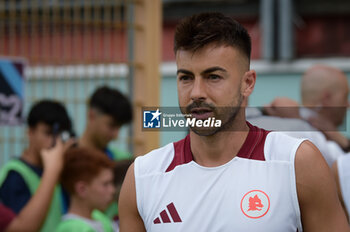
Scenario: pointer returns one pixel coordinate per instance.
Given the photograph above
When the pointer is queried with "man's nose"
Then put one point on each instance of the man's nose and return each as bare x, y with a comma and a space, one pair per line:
198, 91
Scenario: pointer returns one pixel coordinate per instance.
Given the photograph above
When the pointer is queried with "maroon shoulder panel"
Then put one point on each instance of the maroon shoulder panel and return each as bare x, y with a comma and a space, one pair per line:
182, 153
252, 148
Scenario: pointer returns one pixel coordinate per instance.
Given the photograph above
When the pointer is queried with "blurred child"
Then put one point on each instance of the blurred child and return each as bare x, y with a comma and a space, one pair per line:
88, 177
108, 111
20, 178
33, 215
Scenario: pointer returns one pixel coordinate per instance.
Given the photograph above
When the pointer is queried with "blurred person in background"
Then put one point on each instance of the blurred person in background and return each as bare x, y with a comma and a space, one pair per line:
324, 93
325, 90
108, 111
33, 214
87, 175
20, 178
295, 127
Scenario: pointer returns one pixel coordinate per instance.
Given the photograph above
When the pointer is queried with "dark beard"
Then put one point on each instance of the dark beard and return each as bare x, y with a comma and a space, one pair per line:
232, 111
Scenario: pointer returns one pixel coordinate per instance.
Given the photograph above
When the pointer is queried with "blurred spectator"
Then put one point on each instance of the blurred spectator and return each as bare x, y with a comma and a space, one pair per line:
297, 128
108, 111
88, 177
324, 91
32, 216
20, 178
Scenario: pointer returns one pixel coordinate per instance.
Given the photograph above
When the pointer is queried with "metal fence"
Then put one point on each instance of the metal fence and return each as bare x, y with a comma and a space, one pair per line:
71, 47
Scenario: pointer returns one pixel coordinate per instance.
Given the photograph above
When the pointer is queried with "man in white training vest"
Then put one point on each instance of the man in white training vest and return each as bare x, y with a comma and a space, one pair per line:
236, 177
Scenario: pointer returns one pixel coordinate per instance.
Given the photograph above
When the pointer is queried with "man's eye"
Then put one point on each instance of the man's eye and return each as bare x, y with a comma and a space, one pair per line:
184, 78
214, 77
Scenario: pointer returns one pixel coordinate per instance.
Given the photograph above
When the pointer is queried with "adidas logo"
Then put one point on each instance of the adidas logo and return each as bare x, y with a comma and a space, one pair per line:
165, 216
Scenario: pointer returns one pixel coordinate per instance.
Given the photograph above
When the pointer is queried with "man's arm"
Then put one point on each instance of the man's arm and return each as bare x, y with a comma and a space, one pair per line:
130, 219
320, 207
330, 131
283, 107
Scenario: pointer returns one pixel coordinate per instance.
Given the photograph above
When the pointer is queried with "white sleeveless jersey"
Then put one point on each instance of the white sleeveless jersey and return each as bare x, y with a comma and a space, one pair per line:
343, 164
255, 191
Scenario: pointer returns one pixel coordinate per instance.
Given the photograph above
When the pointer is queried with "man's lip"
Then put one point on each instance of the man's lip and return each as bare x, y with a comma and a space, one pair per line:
200, 110
201, 113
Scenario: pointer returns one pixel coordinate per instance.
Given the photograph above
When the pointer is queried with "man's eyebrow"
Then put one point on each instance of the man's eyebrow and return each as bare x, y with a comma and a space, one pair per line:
213, 69
209, 70
184, 71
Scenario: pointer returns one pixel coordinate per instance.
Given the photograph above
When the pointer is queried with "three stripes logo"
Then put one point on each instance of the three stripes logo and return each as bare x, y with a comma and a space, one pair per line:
165, 216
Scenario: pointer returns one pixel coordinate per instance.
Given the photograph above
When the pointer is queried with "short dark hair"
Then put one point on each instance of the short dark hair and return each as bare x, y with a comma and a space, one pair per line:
113, 103
50, 112
199, 30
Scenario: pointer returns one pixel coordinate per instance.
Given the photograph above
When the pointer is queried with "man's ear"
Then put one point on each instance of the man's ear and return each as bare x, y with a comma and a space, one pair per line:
248, 83
31, 131
326, 98
80, 188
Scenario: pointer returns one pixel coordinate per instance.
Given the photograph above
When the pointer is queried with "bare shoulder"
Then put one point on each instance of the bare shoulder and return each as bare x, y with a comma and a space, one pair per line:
318, 200
308, 156
312, 172
130, 220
